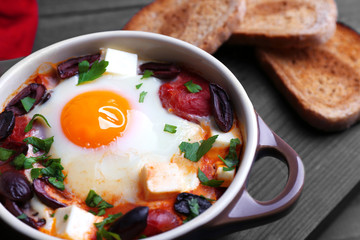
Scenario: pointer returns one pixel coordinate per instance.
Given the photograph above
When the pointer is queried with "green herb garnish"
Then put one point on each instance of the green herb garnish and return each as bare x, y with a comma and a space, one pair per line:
194, 209
40, 144
104, 234
56, 183
27, 103
30, 124
23, 162
147, 74
66, 217
138, 86
96, 70
192, 87
205, 181
95, 201
142, 96
170, 128
5, 154
194, 151
231, 159
22, 216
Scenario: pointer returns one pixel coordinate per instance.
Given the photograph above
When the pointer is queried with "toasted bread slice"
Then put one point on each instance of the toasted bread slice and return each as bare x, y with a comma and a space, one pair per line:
286, 23
203, 23
322, 83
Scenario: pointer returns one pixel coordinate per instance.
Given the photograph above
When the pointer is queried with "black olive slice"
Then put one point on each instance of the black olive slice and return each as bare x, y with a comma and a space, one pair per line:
130, 225
161, 70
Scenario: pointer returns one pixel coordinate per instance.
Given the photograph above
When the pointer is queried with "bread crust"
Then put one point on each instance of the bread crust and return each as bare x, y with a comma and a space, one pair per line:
322, 83
286, 23
203, 23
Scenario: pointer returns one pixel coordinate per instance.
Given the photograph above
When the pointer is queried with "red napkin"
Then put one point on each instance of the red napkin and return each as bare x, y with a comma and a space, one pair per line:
18, 24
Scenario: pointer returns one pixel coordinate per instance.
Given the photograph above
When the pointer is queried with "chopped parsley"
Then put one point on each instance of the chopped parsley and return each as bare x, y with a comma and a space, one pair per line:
192, 87
142, 96
22, 216
205, 181
104, 234
5, 154
56, 183
170, 128
66, 217
40, 144
23, 162
147, 74
27, 103
30, 124
95, 201
138, 86
194, 209
53, 170
231, 159
194, 151
96, 70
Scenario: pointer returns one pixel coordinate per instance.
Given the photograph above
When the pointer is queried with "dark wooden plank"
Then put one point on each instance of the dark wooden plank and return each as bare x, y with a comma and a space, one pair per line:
331, 160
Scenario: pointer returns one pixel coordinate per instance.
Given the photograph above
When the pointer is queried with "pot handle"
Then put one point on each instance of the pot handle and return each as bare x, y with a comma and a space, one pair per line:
246, 208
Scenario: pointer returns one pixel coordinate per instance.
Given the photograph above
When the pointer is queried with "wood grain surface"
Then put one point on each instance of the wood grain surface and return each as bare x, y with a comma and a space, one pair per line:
332, 160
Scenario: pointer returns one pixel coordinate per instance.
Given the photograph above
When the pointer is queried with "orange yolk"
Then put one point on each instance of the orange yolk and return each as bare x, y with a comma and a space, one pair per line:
96, 118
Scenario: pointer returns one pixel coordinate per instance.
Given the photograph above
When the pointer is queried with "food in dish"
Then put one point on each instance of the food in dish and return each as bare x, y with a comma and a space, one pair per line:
109, 145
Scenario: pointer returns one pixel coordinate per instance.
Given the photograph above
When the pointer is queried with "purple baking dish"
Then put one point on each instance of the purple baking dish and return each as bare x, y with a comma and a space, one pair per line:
236, 209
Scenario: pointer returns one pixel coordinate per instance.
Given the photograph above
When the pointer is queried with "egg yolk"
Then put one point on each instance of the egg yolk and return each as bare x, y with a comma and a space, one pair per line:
96, 118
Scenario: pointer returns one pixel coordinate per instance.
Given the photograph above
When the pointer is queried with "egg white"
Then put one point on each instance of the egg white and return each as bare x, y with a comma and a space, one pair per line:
113, 170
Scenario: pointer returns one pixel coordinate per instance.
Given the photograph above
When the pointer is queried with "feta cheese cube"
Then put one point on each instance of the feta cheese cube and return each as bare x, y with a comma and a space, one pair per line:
223, 139
161, 180
72, 222
226, 176
120, 62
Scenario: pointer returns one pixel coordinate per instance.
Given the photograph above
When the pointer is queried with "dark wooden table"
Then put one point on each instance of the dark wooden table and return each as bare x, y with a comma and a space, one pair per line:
330, 203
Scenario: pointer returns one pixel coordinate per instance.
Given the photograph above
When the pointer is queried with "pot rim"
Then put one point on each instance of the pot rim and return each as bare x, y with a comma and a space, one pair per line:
236, 92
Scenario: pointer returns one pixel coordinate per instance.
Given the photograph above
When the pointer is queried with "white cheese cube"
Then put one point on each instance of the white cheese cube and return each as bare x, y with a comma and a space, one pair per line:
226, 176
73, 222
161, 180
120, 62
223, 139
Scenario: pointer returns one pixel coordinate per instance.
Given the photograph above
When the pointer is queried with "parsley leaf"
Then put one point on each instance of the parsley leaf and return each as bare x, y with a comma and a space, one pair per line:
30, 124
205, 146
94, 200
22, 162
5, 154
231, 159
110, 219
142, 96
27, 103
102, 233
194, 151
205, 181
138, 86
35, 173
192, 87
40, 144
170, 128
190, 150
194, 209
147, 74
22, 216
96, 70
56, 183
66, 217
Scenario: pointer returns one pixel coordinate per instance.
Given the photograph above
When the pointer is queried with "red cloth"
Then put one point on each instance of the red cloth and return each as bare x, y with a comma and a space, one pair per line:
18, 24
